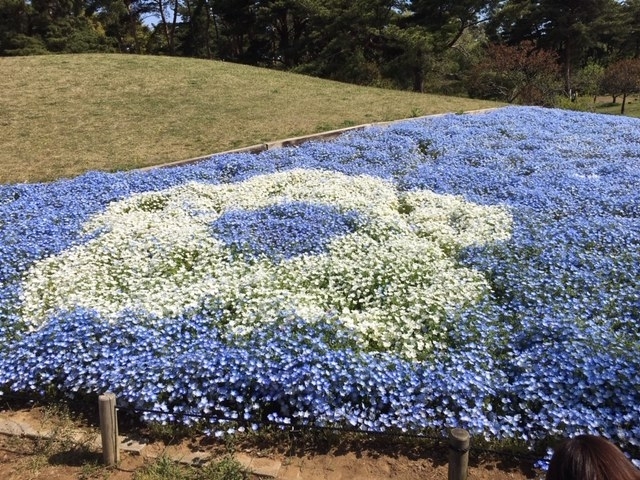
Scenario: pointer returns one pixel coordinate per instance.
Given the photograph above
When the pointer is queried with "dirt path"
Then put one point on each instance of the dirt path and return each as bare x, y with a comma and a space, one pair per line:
72, 452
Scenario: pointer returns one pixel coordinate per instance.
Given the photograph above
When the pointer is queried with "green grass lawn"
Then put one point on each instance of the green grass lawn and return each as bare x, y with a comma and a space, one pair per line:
62, 115
605, 104
631, 109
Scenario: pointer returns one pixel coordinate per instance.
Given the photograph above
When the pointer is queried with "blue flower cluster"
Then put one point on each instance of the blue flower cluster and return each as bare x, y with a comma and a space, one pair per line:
554, 349
284, 230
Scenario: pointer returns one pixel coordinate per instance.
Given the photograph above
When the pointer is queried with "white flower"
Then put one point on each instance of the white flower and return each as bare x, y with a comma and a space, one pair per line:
392, 280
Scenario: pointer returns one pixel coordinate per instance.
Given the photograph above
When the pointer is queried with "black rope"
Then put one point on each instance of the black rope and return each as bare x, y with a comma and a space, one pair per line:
403, 435
16, 396
293, 427
459, 450
298, 427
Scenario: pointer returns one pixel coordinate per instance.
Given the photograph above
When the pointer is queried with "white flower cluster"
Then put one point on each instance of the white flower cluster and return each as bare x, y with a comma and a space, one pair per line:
392, 281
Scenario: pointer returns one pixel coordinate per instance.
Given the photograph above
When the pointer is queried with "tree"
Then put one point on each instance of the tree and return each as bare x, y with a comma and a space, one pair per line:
447, 20
347, 39
572, 28
622, 78
430, 28
521, 73
121, 21
30, 27
237, 34
168, 13
631, 34
16, 31
286, 27
38, 26
588, 80
196, 38
408, 56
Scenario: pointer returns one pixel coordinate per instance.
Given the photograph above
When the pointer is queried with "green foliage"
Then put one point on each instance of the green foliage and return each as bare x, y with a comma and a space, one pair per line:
409, 56
588, 81
420, 45
447, 20
164, 468
630, 31
575, 30
76, 35
347, 39
582, 104
226, 469
21, 44
14, 29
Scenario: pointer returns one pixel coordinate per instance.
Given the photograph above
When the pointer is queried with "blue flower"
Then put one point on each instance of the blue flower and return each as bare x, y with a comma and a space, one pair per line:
284, 230
552, 347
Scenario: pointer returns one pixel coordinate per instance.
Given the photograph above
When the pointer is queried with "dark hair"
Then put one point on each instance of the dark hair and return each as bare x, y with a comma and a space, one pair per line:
588, 457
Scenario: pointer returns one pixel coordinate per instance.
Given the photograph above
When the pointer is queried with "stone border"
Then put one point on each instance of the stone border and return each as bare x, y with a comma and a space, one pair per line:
294, 141
260, 466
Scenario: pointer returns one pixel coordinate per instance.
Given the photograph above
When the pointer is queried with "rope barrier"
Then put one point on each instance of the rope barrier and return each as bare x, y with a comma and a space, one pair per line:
292, 427
297, 427
216, 418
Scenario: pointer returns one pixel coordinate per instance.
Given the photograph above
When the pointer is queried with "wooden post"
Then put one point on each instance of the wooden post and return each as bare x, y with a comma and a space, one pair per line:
459, 441
109, 428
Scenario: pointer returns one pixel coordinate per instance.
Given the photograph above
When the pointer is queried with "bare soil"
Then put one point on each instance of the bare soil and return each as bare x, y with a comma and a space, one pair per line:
306, 456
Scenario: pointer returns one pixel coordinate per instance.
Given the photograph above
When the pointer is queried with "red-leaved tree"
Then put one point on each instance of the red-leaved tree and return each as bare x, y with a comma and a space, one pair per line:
622, 78
521, 73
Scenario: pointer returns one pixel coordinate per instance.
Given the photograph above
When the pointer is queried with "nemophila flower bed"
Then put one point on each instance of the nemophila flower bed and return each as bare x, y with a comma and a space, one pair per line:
479, 271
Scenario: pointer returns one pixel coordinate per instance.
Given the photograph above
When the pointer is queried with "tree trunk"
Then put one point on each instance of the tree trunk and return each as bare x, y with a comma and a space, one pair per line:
283, 32
208, 28
174, 23
165, 26
624, 100
418, 73
568, 54
133, 27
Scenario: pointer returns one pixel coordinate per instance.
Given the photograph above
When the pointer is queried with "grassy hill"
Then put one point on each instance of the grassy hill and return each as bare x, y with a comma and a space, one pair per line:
62, 115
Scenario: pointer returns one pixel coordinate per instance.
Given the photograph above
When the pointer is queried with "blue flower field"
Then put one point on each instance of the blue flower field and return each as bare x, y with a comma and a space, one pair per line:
479, 271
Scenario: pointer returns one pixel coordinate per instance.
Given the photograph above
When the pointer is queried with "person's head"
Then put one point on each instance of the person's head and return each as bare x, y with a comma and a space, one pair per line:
588, 457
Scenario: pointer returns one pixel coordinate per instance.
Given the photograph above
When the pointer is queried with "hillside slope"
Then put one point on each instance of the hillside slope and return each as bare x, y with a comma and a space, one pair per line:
65, 114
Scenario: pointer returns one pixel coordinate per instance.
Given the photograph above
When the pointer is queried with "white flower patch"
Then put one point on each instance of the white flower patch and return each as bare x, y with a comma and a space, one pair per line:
392, 281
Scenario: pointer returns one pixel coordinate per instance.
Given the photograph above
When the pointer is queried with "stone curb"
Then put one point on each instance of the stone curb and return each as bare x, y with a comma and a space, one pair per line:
294, 141
262, 467
20, 429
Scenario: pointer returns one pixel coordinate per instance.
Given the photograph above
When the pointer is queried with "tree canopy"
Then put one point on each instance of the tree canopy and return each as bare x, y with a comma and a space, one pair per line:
435, 45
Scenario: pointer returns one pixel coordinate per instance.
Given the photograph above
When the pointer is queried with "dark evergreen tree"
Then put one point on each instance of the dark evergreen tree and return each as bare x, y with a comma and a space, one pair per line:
236, 24
630, 32
428, 29
572, 28
285, 24
16, 32
347, 39
197, 38
447, 20
121, 21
